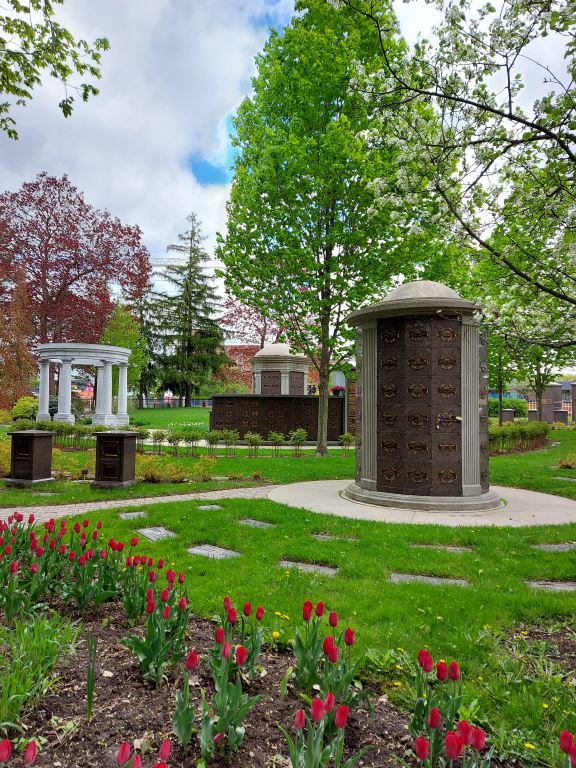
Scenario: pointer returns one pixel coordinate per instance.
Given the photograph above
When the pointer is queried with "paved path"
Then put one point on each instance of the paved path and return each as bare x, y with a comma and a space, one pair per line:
521, 508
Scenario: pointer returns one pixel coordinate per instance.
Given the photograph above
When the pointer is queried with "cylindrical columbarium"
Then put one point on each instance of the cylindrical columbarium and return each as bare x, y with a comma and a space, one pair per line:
422, 413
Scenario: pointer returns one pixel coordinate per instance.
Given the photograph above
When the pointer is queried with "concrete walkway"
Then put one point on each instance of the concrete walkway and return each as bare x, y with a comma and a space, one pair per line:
520, 508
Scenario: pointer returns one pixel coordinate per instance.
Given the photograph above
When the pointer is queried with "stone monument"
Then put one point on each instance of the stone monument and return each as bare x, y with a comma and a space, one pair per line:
422, 402
276, 371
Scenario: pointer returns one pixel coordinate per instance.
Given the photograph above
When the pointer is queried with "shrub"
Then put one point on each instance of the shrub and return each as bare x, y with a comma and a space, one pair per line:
152, 469
517, 437
519, 405
230, 438
203, 468
5, 451
559, 425
347, 440
277, 439
5, 417
213, 437
158, 437
568, 462
297, 438
191, 438
253, 440
25, 408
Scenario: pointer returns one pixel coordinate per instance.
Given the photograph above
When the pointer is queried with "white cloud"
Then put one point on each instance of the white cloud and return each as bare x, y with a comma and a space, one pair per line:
175, 70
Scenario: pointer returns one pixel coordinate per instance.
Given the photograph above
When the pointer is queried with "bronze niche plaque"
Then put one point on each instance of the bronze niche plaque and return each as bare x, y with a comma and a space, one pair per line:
446, 334
417, 476
417, 363
389, 474
447, 362
389, 418
447, 476
447, 449
417, 391
390, 446
446, 390
390, 363
417, 332
417, 419
389, 335
390, 390
417, 446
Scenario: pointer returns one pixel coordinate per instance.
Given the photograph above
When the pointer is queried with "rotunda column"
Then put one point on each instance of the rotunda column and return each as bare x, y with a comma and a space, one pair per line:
122, 415
44, 392
65, 391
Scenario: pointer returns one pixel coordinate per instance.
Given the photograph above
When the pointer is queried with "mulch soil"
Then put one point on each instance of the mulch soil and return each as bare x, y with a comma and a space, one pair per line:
126, 708
559, 639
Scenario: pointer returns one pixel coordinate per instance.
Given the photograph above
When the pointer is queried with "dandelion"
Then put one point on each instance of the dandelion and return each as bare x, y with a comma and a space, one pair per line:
529, 746
275, 634
397, 683
285, 616
398, 666
544, 706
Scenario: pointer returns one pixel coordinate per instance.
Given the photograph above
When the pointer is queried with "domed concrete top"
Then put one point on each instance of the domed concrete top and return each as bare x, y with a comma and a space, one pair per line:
277, 350
418, 297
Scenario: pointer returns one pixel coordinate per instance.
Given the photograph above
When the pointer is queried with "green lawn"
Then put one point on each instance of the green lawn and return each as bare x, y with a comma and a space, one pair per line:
469, 624
162, 418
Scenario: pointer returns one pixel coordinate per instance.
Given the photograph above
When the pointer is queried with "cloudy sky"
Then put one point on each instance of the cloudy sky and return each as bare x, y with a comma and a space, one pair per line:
154, 145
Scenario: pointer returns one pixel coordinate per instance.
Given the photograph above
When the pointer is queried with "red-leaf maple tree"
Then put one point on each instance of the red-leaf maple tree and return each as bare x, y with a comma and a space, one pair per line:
73, 256
17, 364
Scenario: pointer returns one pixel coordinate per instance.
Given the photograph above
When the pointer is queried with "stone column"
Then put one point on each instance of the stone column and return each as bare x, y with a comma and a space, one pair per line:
44, 392
99, 388
122, 414
104, 413
284, 382
470, 411
257, 382
65, 391
369, 412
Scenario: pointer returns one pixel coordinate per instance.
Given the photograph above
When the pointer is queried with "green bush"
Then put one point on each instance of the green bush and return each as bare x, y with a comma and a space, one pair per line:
5, 417
568, 462
519, 405
25, 408
297, 438
277, 439
153, 469
5, 451
517, 437
347, 440
253, 440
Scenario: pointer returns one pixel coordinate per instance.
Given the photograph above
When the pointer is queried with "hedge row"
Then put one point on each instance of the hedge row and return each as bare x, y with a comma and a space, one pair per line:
517, 437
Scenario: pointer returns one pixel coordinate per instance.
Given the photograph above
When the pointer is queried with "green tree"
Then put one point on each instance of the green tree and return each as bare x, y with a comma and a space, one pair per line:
32, 42
123, 330
189, 342
305, 244
512, 149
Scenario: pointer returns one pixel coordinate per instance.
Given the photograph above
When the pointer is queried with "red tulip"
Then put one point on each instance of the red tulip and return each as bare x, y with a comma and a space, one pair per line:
94, 535
61, 549
566, 740
259, 613
327, 643
34, 568
220, 635
241, 655
434, 718
152, 577
31, 519
232, 615
219, 738
422, 748
77, 527
573, 756
425, 660
134, 541
442, 671
150, 561
150, 606
227, 603
317, 710
226, 651
181, 578
13, 567
136, 762
129, 562
71, 556
149, 594
464, 730
182, 603
166, 612
119, 548
164, 595
307, 610
478, 739
5, 750
349, 636
319, 609
341, 716
453, 745
160, 764
160, 564
170, 576
333, 619
454, 671
30, 753
299, 720
85, 523
99, 524
329, 702
123, 754
164, 751
247, 610
191, 661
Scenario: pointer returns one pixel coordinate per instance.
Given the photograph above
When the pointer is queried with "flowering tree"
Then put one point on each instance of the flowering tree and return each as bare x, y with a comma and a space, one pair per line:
32, 42
247, 324
73, 258
305, 244
17, 364
498, 158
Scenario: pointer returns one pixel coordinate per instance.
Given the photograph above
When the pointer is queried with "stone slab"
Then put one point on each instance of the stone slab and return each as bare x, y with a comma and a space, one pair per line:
564, 547
213, 552
330, 537
324, 570
568, 479
205, 507
132, 515
249, 521
437, 581
157, 533
553, 586
456, 548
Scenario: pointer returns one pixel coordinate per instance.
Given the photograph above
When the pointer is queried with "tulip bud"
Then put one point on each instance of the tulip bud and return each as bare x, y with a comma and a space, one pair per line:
333, 619
136, 762
164, 595
5, 750
30, 753
454, 671
182, 603
226, 651
241, 656
160, 564
299, 720
123, 754
434, 718
442, 671
232, 615
166, 612
307, 610
566, 741
181, 578
341, 716
349, 636
170, 577
150, 606
227, 603
259, 613
134, 541
247, 610
453, 745
478, 739
164, 751
13, 567
319, 609
422, 748
317, 710
329, 702
220, 635
191, 661
152, 577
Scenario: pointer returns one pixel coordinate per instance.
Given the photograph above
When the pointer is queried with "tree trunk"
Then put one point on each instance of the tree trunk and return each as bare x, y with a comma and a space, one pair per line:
141, 392
500, 390
188, 396
539, 393
323, 378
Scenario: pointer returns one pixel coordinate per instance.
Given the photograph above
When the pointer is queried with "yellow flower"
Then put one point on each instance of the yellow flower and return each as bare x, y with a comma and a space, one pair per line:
285, 616
397, 683
400, 649
275, 635
480, 678
545, 706
398, 666
529, 746
287, 573
555, 698
277, 613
